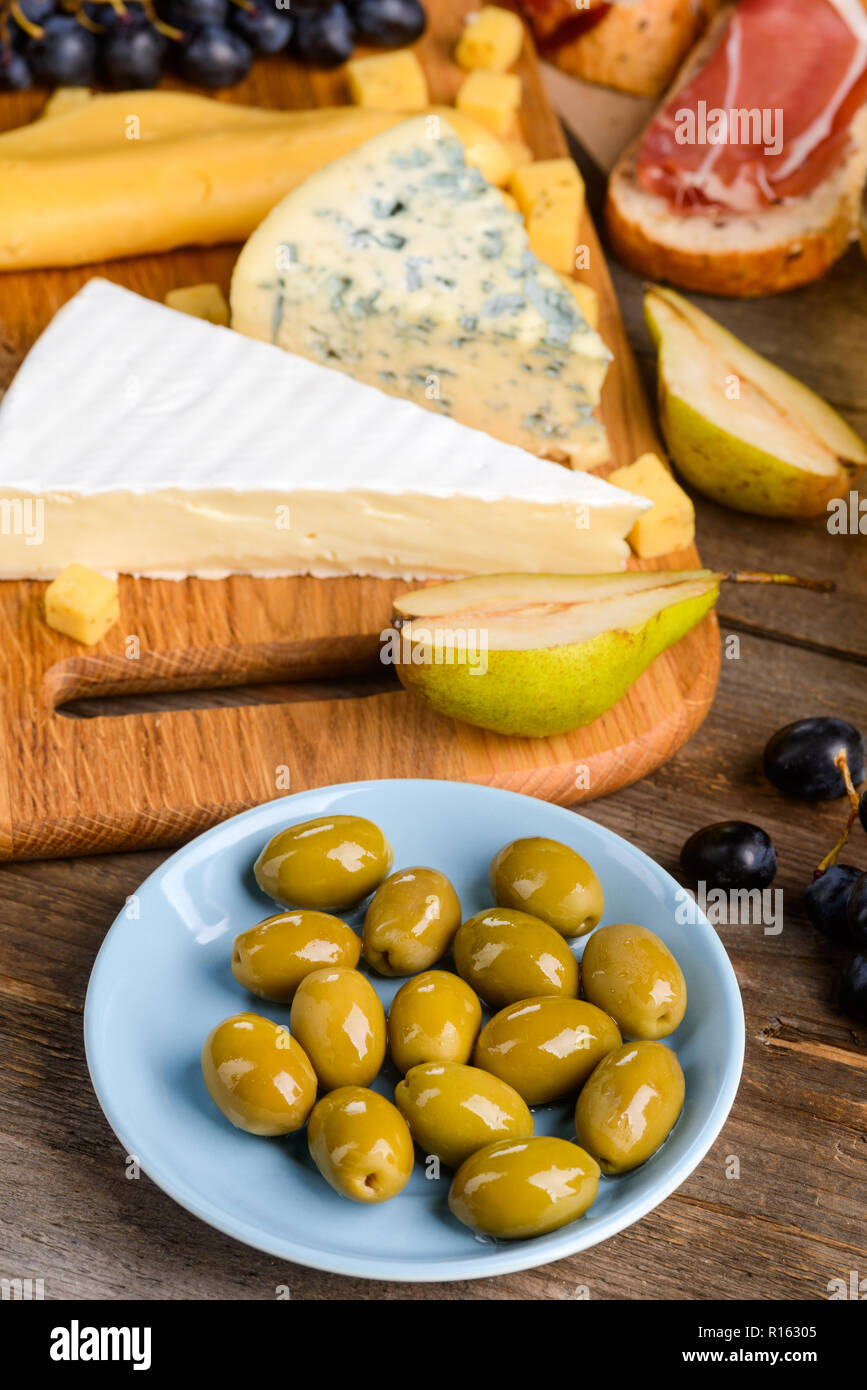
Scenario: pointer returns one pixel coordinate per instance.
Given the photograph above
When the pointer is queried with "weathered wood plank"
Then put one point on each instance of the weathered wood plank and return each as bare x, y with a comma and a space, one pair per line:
793, 1220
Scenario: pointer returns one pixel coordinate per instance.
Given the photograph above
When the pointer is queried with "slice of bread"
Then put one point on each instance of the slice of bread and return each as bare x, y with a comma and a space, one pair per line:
732, 253
635, 48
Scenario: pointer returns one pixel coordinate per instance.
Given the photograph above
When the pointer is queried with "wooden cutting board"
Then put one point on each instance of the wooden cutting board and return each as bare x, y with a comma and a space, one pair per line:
74, 786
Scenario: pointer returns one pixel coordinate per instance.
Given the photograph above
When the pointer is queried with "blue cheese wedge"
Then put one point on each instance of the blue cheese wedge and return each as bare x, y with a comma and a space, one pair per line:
141, 440
399, 265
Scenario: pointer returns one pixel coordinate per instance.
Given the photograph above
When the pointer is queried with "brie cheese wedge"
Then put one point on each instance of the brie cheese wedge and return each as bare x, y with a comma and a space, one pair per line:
139, 439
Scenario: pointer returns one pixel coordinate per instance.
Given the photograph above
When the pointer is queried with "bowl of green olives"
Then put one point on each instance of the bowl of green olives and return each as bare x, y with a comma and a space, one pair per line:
414, 1030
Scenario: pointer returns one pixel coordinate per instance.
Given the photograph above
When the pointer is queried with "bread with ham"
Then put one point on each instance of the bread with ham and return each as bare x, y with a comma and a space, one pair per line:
635, 46
748, 178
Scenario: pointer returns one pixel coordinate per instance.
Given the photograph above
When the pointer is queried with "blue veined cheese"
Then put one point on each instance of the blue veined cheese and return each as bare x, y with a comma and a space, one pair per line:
399, 265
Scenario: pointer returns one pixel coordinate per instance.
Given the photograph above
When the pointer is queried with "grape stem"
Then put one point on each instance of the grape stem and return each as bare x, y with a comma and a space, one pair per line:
168, 30
842, 762
74, 7
35, 31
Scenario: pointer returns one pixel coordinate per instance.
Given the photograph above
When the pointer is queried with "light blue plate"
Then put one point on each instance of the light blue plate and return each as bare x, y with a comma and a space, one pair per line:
162, 980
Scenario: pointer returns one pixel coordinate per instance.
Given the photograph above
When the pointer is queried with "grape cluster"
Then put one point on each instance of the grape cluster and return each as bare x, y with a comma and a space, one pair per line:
212, 43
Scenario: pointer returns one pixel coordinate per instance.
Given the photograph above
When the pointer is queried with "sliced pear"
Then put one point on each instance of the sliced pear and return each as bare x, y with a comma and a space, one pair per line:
538, 655
740, 429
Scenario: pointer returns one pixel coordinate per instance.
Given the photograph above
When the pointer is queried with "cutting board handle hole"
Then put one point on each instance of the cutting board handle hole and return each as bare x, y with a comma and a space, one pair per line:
108, 684
227, 697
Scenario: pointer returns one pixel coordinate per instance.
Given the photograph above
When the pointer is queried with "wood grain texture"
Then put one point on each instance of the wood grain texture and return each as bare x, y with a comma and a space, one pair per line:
795, 1218
67, 788
797, 1215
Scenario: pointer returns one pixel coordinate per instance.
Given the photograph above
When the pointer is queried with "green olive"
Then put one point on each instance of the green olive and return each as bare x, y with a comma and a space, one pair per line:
410, 922
630, 1105
550, 881
514, 1189
545, 1048
328, 864
259, 1076
272, 958
338, 1019
361, 1145
454, 1110
633, 976
434, 1017
508, 955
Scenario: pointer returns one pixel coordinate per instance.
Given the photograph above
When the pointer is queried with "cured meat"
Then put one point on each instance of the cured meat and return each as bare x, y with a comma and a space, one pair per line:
768, 117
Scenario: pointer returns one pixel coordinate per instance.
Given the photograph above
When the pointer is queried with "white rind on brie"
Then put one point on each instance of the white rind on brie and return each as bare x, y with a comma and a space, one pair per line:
156, 443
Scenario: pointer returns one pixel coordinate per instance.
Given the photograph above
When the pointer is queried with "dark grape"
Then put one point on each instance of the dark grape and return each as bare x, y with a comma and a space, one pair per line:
388, 23
216, 57
827, 899
264, 28
853, 988
190, 15
799, 759
134, 56
324, 38
14, 72
66, 55
862, 809
857, 912
133, 15
730, 854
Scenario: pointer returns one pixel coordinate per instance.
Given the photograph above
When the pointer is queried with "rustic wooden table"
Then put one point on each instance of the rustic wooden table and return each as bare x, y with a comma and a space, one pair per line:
778, 1208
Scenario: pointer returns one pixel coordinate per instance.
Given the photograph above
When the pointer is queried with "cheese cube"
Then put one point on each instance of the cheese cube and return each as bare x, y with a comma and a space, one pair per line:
388, 82
552, 228
492, 98
509, 201
492, 39
550, 194
202, 301
556, 179
670, 523
82, 604
585, 297
518, 152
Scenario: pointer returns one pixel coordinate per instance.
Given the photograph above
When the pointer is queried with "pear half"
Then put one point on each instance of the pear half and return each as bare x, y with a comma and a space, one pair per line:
540, 654
741, 430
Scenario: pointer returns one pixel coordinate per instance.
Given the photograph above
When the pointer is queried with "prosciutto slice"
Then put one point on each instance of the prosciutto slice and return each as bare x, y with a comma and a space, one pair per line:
768, 117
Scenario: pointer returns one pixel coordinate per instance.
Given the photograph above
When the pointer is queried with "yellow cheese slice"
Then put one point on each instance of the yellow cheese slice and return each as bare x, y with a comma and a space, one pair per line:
128, 173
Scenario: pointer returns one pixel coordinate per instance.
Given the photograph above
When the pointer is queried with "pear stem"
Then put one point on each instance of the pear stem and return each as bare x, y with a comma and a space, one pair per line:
830, 859
818, 586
